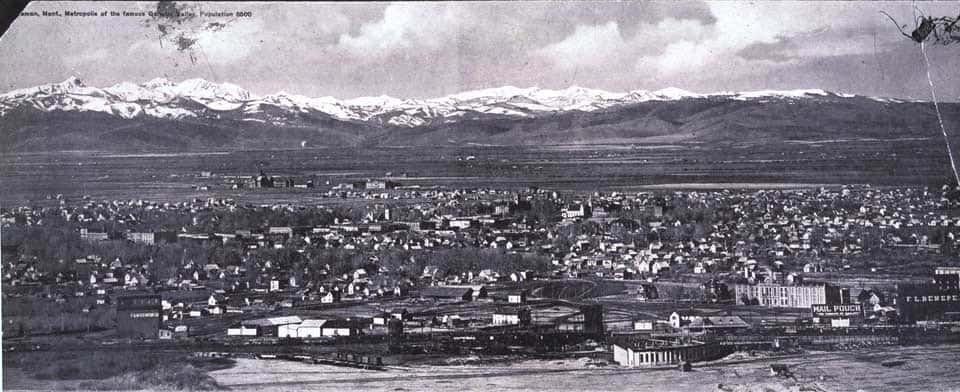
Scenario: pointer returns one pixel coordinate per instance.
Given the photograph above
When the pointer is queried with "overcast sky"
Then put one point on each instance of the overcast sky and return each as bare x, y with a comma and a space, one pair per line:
420, 50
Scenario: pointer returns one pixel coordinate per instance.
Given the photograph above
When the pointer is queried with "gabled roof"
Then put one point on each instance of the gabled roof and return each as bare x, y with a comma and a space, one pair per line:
313, 323
273, 321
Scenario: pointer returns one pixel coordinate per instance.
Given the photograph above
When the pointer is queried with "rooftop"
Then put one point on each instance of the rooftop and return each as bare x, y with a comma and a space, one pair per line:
273, 321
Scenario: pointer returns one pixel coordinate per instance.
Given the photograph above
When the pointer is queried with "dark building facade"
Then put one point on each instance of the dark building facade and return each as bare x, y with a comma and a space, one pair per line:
139, 316
447, 293
589, 320
947, 282
928, 302
593, 319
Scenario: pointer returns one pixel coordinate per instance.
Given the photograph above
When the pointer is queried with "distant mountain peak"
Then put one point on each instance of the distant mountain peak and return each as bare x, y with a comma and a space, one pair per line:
194, 97
202, 114
381, 100
674, 92
798, 93
201, 88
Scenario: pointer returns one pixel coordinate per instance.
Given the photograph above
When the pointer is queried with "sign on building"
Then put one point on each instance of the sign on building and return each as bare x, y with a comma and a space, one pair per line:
848, 310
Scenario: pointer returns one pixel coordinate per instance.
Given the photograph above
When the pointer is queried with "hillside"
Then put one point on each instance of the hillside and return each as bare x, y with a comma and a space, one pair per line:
199, 115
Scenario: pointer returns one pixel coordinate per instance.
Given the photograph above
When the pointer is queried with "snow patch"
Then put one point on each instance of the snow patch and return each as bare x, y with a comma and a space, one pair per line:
162, 98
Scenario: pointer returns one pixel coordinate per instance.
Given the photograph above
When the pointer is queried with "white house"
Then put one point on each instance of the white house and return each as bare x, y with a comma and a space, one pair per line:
330, 297
681, 318
699, 268
643, 267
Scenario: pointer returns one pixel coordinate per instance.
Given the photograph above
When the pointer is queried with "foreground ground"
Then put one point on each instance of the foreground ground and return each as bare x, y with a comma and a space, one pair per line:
926, 369
930, 368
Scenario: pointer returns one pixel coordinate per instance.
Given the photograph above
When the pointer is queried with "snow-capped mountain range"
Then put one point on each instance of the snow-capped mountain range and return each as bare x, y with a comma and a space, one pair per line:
198, 98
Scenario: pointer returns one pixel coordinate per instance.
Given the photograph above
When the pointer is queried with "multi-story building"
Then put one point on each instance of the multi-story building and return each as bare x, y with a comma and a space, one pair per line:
947, 282
139, 316
576, 211
93, 236
944, 275
947, 271
785, 296
928, 302
143, 238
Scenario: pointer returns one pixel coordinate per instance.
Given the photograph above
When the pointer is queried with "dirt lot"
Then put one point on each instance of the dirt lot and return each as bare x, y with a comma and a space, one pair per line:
925, 369
931, 368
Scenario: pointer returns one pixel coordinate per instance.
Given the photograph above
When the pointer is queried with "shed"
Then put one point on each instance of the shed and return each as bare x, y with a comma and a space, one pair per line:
270, 326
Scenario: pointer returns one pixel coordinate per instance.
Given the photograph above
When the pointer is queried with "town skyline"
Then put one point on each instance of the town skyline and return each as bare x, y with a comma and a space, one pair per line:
479, 196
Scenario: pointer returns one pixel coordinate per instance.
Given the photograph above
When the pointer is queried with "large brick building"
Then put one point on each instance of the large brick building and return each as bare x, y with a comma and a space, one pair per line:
938, 301
785, 296
139, 316
947, 275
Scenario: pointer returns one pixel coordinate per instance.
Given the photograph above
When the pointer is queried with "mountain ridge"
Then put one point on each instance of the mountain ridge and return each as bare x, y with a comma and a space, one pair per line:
122, 98
198, 114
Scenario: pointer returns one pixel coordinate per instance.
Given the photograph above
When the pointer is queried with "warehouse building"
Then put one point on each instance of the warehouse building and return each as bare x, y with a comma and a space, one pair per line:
305, 329
785, 296
928, 302
947, 271
265, 327
139, 316
947, 282
666, 352
318, 328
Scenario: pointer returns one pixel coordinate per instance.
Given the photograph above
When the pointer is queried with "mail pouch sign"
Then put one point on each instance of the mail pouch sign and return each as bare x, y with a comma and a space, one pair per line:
848, 310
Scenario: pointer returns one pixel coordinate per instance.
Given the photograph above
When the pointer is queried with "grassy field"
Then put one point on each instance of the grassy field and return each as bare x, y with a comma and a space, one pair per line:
170, 376
109, 370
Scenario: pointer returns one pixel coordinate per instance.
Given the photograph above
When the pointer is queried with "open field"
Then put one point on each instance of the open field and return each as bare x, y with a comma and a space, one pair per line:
103, 370
927, 369
174, 177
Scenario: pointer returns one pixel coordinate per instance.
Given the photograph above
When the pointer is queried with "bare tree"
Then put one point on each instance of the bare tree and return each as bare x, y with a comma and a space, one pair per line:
943, 30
